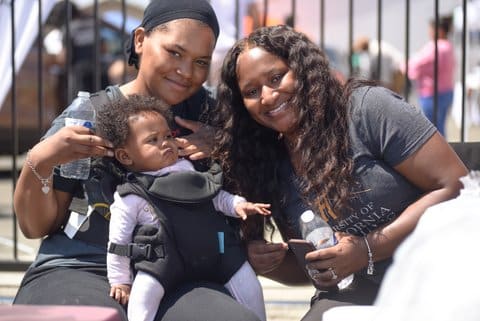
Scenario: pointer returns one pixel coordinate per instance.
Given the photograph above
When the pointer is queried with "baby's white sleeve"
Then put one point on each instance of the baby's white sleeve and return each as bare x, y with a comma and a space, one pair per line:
225, 202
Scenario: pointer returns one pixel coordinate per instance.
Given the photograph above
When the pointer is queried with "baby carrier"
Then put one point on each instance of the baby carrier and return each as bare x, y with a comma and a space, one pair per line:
194, 241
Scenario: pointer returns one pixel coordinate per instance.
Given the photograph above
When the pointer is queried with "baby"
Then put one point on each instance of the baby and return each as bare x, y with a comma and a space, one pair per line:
195, 242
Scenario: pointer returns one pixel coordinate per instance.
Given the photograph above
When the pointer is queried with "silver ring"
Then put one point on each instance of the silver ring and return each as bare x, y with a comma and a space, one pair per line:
334, 275
314, 274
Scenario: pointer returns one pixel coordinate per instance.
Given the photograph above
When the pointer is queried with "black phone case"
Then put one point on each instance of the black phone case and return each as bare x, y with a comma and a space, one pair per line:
301, 247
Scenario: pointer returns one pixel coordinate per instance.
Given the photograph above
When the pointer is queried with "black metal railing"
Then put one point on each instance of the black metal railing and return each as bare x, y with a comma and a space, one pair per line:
9, 176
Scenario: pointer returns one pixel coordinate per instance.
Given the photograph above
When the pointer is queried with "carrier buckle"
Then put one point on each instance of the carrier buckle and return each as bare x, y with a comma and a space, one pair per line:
138, 251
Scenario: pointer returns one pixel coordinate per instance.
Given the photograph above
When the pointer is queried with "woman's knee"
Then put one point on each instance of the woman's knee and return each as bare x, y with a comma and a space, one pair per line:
202, 301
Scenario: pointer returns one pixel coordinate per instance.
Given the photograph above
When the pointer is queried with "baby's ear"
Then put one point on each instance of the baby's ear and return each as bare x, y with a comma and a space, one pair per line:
122, 156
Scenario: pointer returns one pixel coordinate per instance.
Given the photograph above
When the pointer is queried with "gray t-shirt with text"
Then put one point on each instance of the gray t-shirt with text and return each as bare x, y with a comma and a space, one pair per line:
384, 131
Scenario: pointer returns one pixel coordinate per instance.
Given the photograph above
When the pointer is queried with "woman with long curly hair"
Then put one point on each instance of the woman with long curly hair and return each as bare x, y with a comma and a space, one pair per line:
289, 133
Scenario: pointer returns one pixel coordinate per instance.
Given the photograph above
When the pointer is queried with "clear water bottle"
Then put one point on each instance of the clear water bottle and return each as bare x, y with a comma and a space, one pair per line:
81, 113
315, 230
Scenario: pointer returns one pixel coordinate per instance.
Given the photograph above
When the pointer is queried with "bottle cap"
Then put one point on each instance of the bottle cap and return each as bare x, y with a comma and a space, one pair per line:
307, 216
83, 94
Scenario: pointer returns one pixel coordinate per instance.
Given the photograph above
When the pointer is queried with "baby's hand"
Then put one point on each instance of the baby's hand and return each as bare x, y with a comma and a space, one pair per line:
243, 209
120, 292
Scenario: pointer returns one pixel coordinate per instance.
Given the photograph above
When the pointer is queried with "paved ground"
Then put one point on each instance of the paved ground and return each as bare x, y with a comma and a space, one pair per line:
285, 303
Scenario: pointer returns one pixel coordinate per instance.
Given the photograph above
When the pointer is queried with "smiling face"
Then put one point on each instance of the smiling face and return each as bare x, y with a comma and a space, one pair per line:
150, 145
267, 86
174, 59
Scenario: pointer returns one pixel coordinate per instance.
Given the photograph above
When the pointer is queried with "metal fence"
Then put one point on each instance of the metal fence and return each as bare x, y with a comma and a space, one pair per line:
10, 239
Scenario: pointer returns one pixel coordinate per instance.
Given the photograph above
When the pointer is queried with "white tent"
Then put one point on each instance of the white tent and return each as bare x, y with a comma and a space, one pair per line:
26, 30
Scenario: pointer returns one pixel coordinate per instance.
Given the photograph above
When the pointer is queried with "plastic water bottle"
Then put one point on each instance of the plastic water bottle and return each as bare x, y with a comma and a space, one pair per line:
315, 230
81, 113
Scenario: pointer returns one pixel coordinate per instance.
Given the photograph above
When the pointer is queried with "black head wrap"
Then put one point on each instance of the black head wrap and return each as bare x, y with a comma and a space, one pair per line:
162, 11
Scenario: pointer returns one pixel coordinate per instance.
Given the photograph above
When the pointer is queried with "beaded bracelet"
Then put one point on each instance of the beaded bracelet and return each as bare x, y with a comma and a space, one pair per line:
370, 267
45, 181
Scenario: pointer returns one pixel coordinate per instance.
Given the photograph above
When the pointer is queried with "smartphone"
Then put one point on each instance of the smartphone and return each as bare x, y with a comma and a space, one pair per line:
300, 248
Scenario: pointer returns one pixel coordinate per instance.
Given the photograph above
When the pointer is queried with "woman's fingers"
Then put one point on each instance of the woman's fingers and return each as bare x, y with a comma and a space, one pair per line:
324, 279
75, 142
98, 146
265, 257
337, 262
198, 144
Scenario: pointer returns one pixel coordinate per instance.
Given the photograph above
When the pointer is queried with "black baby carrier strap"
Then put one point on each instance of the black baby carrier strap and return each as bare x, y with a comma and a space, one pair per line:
194, 241
94, 198
181, 187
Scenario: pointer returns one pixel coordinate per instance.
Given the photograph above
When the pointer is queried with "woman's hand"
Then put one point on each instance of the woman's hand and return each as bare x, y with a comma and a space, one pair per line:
266, 257
198, 144
335, 263
41, 213
75, 142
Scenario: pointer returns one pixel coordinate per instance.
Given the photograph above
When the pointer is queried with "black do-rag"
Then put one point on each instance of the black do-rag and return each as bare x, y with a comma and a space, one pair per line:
162, 11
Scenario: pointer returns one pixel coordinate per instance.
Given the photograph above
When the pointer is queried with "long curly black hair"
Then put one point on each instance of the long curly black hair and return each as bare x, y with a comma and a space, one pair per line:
249, 152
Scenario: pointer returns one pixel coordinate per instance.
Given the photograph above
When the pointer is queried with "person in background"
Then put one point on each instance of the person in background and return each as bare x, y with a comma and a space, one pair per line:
82, 51
421, 70
249, 19
171, 49
139, 130
468, 115
289, 133
365, 63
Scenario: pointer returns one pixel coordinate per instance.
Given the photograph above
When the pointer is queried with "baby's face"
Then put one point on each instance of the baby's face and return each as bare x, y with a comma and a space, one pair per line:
150, 145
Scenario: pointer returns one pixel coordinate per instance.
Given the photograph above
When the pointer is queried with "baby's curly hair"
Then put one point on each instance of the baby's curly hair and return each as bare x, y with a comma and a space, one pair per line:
112, 118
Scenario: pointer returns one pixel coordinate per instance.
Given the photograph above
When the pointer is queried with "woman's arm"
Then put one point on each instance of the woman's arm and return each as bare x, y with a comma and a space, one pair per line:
434, 168
40, 213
